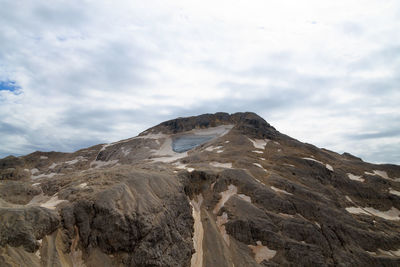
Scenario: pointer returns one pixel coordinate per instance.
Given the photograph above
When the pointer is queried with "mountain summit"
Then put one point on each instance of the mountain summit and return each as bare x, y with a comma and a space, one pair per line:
211, 190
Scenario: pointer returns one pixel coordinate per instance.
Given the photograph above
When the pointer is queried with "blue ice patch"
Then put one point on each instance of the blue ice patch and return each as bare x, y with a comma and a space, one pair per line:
188, 142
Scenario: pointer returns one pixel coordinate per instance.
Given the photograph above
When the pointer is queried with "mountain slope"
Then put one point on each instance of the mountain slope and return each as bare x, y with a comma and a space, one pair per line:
212, 190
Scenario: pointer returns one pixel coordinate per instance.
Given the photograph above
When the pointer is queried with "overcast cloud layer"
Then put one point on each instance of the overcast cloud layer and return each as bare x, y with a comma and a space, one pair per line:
79, 73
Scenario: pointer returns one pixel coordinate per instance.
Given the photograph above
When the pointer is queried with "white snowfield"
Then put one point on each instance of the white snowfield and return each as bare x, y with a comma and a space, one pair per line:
53, 165
394, 192
213, 148
392, 214
355, 178
219, 130
329, 167
349, 199
182, 166
286, 164
259, 166
221, 165
382, 174
280, 190
166, 154
390, 253
259, 143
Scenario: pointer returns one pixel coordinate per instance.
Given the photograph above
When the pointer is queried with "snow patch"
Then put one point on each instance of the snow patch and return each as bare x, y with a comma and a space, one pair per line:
219, 130
392, 214
36, 184
166, 154
329, 167
221, 165
43, 157
259, 143
258, 180
182, 166
262, 252
381, 252
281, 190
259, 152
53, 165
286, 215
259, 165
382, 174
314, 160
212, 148
287, 164
395, 253
357, 210
355, 178
394, 192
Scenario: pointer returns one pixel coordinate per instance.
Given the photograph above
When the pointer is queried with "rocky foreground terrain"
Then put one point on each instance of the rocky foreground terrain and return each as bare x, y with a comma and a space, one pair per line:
212, 190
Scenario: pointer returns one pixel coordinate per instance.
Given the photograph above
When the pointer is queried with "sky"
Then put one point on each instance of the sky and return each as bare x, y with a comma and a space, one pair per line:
79, 73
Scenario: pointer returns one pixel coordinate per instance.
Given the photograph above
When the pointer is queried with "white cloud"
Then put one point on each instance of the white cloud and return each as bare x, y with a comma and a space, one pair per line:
96, 71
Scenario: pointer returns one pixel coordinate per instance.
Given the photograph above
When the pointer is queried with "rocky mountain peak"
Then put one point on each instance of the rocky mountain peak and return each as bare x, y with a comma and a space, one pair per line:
248, 122
211, 190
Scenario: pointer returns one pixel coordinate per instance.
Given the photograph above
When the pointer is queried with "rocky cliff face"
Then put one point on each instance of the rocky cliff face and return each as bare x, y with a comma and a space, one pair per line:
211, 190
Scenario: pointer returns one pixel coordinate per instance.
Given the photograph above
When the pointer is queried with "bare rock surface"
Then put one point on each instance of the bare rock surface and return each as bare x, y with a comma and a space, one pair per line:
212, 190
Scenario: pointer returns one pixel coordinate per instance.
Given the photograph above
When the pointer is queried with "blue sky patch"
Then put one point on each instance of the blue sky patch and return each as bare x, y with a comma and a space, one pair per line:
11, 86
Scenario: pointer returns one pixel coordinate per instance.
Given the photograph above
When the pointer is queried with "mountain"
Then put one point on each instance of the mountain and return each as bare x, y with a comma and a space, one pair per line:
212, 190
